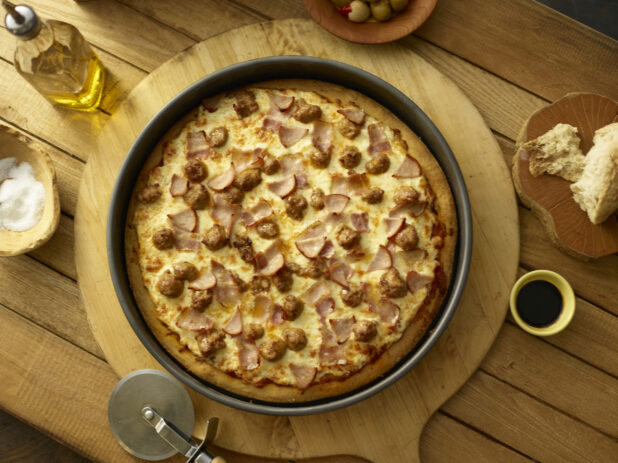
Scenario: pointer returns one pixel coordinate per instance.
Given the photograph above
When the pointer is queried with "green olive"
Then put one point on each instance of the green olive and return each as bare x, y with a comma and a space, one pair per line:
381, 10
340, 3
398, 5
360, 12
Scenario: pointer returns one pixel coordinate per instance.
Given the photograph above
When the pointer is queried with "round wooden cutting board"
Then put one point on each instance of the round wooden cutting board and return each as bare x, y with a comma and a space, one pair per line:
388, 426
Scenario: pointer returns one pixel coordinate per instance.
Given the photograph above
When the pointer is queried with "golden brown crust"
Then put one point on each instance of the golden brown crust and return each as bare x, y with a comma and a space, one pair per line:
443, 204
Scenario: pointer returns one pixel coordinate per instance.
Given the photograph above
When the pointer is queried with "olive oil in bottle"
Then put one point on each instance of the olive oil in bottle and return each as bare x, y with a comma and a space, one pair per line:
55, 59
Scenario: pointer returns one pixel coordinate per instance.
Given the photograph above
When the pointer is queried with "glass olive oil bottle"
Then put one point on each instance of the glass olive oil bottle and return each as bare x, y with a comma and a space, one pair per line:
55, 59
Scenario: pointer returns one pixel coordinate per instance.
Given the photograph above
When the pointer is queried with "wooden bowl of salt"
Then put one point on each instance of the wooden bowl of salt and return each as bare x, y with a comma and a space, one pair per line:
14, 144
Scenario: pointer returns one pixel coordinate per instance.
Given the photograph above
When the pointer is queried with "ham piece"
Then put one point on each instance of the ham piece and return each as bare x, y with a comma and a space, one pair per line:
291, 135
336, 203
378, 143
360, 222
179, 186
340, 273
328, 250
223, 180
270, 261
187, 242
381, 261
304, 375
248, 355
284, 187
242, 159
315, 293
409, 168
260, 211
355, 115
224, 213
331, 353
192, 320
185, 220
342, 327
234, 326
417, 281
386, 310
197, 147
226, 289
263, 308
325, 306
393, 225
277, 316
211, 104
413, 209
322, 137
281, 102
358, 183
205, 280
292, 164
339, 185
311, 240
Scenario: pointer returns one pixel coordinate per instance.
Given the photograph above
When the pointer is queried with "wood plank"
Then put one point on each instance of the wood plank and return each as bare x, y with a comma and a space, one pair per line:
46, 297
59, 253
544, 53
526, 424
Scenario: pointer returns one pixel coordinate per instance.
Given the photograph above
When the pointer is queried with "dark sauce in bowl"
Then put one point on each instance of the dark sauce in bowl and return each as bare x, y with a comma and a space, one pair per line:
539, 303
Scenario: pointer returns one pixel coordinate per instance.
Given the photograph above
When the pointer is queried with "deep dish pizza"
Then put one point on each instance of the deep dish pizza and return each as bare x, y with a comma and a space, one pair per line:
290, 241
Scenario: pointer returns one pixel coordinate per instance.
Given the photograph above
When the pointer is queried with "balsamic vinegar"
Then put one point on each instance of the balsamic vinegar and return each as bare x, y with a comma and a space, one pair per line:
539, 303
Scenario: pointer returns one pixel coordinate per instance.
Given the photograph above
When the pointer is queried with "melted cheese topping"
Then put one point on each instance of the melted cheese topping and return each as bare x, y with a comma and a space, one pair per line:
248, 134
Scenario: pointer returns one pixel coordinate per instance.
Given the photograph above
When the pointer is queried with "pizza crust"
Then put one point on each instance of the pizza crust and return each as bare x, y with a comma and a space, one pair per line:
443, 204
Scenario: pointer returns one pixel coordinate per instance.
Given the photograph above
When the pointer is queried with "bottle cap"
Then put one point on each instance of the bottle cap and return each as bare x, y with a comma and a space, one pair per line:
21, 20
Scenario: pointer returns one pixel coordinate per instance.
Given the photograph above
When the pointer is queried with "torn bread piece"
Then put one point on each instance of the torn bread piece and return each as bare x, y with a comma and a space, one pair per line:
596, 191
556, 152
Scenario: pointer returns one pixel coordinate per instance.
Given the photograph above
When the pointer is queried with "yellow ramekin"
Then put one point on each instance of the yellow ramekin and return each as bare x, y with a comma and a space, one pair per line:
568, 302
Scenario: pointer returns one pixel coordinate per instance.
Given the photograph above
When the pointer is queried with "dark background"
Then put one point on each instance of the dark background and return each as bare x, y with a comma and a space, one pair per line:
601, 15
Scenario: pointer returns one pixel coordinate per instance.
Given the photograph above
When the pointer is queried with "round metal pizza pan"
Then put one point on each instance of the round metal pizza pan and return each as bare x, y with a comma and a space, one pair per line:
259, 70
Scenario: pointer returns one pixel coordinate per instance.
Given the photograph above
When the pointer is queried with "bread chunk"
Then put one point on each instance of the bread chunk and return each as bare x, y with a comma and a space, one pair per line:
596, 191
556, 152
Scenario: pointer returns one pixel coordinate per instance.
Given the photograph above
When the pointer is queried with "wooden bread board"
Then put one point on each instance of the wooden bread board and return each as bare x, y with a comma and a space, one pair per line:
388, 426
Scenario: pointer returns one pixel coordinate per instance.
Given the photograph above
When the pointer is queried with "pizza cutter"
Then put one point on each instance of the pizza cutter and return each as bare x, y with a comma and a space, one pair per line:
151, 416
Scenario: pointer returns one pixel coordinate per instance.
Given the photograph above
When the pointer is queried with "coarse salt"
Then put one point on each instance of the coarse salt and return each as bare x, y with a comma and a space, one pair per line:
22, 197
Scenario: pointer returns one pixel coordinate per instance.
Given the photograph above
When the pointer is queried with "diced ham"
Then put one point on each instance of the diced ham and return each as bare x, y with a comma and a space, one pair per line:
355, 115
292, 164
185, 220
270, 261
205, 280
234, 326
322, 137
342, 327
260, 211
331, 353
358, 183
197, 146
340, 273
339, 185
248, 355
270, 123
417, 281
418, 208
381, 261
283, 187
414, 209
328, 250
325, 306
241, 159
386, 310
334, 220
282, 102
263, 307
277, 316
407, 259
360, 222
355, 254
192, 320
179, 186
304, 375
187, 242
409, 168
336, 203
311, 240
378, 142
224, 213
223, 180
393, 225
291, 135
211, 104
226, 289
301, 181
316, 292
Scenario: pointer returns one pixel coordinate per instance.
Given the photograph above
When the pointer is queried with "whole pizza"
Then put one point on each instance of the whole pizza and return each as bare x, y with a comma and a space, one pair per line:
290, 241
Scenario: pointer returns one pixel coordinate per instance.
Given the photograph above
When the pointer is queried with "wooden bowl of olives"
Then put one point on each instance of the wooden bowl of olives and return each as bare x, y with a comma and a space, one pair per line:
370, 21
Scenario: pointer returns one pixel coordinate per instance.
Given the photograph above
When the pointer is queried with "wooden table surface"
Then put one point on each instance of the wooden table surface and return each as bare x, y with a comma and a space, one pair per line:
553, 399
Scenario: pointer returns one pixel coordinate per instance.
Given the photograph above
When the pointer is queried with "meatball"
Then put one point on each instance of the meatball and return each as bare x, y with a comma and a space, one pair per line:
347, 238
273, 349
347, 128
293, 307
233, 195
248, 179
392, 285
283, 280
350, 158
407, 239
170, 286
218, 137
215, 237
319, 159
306, 112
295, 206
245, 103
271, 164
293, 267
352, 297
373, 196
378, 164
195, 170
315, 269
405, 194
197, 196
254, 331
185, 271
295, 338
259, 284
200, 300
211, 343
164, 238
365, 330
244, 246
149, 194
317, 199
268, 229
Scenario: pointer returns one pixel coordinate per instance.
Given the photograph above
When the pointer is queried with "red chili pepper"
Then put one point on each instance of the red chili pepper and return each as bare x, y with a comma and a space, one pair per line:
345, 10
